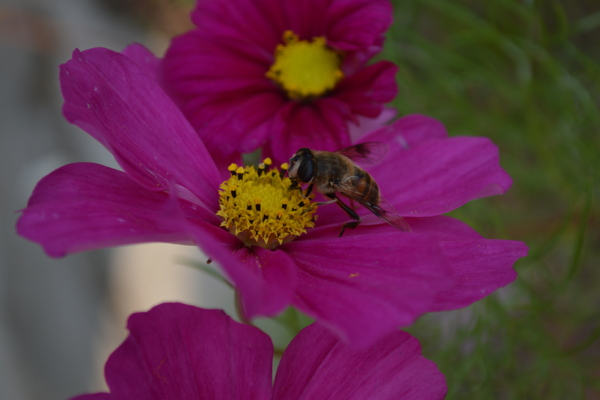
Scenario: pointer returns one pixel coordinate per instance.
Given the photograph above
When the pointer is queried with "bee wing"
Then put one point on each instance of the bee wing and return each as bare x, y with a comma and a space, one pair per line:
368, 153
383, 210
388, 213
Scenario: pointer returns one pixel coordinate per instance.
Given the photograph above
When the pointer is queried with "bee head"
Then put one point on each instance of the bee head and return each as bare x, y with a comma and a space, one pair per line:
302, 166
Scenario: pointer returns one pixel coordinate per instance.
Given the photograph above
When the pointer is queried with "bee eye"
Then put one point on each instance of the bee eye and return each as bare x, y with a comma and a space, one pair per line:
306, 170
306, 153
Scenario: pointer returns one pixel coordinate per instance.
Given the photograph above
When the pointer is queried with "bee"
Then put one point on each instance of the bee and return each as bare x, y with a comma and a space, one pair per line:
335, 172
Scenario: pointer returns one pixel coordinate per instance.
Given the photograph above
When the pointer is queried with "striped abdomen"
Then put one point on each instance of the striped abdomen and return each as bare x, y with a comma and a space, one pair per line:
367, 190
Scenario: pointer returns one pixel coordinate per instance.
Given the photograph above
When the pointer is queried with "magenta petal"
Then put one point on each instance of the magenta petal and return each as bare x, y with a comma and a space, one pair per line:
114, 100
347, 24
236, 124
145, 59
357, 24
275, 278
317, 365
479, 266
247, 22
323, 122
87, 206
264, 279
196, 60
222, 89
369, 88
176, 351
407, 132
438, 176
365, 286
217, 73
365, 125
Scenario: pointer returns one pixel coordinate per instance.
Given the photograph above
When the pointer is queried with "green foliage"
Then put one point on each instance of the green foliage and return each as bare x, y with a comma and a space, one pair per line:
526, 74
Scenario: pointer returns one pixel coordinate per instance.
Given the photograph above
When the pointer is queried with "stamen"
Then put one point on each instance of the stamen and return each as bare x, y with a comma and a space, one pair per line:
261, 168
305, 69
283, 170
257, 206
239, 172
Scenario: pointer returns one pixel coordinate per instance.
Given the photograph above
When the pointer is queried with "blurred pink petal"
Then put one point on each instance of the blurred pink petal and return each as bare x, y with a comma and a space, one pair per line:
318, 365
217, 73
176, 351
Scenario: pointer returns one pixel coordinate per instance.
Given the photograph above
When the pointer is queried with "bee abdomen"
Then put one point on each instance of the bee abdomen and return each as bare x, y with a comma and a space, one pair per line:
367, 187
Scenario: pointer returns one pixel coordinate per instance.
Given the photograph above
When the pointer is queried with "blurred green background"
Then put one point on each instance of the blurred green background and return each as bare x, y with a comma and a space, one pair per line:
527, 75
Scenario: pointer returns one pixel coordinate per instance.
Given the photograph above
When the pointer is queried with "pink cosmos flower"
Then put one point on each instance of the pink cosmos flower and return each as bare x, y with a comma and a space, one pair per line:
176, 351
280, 74
362, 286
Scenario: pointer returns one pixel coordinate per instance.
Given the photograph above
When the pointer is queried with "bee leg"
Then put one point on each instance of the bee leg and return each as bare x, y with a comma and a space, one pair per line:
349, 211
308, 190
351, 225
295, 186
322, 203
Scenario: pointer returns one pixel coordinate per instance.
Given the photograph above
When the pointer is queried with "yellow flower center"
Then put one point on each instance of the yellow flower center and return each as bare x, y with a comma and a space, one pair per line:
305, 69
258, 206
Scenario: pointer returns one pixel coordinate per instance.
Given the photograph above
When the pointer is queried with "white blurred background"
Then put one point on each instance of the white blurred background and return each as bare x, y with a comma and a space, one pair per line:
61, 318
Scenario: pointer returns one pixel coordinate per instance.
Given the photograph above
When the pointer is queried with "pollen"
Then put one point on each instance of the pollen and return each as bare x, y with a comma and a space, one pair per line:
305, 69
258, 206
